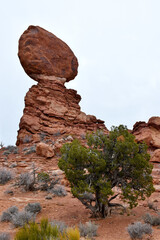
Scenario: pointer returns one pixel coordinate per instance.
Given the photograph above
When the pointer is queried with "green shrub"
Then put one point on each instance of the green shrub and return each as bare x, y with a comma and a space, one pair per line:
88, 230
5, 175
27, 181
10, 149
58, 190
72, 234
109, 161
13, 210
4, 236
153, 220
21, 218
7, 215
60, 225
43, 177
33, 208
45, 231
137, 230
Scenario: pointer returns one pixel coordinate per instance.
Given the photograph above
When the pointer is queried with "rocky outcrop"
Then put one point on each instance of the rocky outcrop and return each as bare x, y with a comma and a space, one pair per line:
148, 132
44, 56
51, 110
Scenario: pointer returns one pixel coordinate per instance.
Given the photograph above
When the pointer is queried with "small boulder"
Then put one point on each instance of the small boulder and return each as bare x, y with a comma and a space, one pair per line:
156, 156
44, 150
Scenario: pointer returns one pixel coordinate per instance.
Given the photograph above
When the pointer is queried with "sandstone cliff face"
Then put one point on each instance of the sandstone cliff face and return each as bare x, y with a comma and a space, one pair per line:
149, 133
50, 108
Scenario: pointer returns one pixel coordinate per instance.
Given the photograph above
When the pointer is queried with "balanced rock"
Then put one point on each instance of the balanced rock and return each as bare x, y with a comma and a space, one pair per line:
46, 57
51, 110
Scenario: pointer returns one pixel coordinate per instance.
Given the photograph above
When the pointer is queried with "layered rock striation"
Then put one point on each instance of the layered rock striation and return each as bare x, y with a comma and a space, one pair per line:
50, 108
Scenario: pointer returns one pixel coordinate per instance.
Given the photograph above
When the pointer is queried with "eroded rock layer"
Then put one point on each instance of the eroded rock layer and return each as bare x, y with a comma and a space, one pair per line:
52, 110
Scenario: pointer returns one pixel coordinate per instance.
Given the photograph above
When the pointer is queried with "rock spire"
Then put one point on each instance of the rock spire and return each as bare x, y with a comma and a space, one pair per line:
50, 108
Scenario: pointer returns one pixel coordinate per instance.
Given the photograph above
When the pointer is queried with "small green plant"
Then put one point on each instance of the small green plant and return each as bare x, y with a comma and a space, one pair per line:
5, 175
45, 230
29, 150
138, 230
10, 149
72, 234
27, 181
7, 215
43, 177
21, 218
18, 219
60, 225
152, 220
4, 236
58, 191
33, 208
88, 230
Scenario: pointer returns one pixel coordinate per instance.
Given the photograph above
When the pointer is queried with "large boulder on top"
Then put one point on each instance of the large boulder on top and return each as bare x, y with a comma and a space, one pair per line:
46, 57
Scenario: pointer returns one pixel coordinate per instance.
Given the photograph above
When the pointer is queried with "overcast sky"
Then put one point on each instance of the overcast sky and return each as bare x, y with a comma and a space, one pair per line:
117, 43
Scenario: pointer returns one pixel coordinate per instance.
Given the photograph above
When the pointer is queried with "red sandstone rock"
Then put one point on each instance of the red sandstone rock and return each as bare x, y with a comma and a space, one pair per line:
46, 57
44, 150
156, 156
148, 132
51, 111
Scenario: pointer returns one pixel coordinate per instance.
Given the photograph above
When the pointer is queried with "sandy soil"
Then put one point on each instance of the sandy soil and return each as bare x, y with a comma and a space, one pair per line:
68, 209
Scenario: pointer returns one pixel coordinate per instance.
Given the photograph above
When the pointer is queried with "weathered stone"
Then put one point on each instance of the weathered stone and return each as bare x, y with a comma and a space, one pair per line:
45, 57
44, 150
148, 132
156, 156
53, 111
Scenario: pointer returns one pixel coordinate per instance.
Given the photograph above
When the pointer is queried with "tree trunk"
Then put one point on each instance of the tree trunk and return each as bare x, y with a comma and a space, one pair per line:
103, 210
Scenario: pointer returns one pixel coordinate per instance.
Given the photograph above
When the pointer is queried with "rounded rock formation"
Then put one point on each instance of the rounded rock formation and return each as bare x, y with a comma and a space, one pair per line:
46, 57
